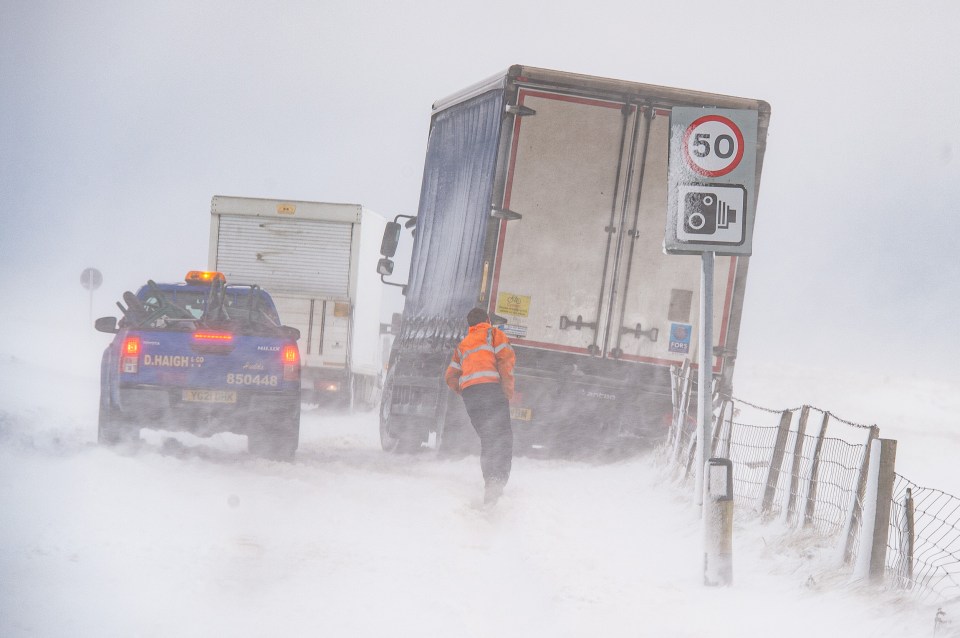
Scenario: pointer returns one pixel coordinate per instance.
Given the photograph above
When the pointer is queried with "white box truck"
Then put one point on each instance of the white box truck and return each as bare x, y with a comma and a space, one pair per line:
544, 201
318, 262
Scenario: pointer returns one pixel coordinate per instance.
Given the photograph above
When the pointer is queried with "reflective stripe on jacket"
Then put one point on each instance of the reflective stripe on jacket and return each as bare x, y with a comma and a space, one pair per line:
484, 356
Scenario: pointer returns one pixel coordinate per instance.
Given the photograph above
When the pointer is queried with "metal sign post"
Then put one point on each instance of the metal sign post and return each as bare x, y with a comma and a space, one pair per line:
705, 372
91, 279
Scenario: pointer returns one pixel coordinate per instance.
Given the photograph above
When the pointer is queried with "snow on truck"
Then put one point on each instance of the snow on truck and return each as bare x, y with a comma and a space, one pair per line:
317, 259
544, 200
203, 356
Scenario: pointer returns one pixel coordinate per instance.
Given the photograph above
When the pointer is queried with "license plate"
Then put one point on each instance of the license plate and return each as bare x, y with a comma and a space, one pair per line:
210, 396
521, 414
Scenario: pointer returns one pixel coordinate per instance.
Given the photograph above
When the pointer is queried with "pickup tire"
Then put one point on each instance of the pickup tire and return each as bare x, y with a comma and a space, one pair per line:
112, 429
276, 439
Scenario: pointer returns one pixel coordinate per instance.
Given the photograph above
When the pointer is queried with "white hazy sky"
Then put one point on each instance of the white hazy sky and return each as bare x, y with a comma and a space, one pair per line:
120, 120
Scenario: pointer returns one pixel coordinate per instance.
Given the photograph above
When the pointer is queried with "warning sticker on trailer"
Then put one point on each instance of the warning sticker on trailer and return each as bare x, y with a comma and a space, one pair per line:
511, 304
513, 330
680, 337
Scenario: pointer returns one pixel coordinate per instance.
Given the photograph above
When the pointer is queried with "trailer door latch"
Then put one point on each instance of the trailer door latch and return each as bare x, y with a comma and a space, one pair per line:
652, 333
565, 323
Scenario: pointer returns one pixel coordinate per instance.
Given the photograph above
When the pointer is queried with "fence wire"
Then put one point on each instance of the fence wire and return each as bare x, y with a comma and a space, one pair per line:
811, 481
786, 467
926, 561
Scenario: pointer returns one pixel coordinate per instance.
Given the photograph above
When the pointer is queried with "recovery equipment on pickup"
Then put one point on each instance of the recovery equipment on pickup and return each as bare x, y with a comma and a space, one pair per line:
203, 357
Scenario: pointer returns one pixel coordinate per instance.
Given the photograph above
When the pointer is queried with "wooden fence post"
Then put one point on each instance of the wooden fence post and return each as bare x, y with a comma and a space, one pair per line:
686, 388
875, 529
881, 531
815, 471
776, 461
907, 542
856, 512
797, 452
718, 428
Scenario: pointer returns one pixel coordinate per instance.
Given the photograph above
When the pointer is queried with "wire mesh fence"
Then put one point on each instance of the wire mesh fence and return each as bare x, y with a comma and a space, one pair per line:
808, 469
923, 548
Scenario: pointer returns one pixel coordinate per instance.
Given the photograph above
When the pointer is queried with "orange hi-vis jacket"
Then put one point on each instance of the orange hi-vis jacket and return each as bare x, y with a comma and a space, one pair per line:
484, 356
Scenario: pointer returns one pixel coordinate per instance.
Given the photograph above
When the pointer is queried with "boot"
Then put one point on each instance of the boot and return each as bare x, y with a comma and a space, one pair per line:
492, 493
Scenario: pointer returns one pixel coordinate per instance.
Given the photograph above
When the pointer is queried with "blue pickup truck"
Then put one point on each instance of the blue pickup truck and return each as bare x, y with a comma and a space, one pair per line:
204, 357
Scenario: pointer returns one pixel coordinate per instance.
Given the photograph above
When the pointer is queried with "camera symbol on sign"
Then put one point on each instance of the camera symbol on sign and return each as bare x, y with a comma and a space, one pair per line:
712, 213
704, 213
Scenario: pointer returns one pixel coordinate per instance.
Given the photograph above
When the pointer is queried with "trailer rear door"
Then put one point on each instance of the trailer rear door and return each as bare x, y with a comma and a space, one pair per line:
656, 310
566, 177
583, 270
286, 255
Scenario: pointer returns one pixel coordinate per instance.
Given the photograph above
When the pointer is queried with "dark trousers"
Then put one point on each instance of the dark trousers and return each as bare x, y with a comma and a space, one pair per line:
490, 416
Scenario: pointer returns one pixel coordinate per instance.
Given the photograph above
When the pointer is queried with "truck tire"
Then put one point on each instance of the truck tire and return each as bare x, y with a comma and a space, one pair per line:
389, 442
278, 439
112, 429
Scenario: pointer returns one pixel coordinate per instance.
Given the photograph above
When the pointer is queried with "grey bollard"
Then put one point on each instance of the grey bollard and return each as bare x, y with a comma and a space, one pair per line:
718, 523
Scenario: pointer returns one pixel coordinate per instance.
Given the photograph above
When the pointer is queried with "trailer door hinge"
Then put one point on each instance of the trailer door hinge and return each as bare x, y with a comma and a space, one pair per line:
504, 213
519, 110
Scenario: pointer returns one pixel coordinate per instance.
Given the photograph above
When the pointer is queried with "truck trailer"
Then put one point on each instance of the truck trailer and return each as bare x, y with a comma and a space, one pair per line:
317, 260
543, 201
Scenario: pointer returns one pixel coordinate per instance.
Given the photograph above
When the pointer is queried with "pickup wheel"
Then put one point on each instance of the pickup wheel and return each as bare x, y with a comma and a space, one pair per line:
276, 439
112, 429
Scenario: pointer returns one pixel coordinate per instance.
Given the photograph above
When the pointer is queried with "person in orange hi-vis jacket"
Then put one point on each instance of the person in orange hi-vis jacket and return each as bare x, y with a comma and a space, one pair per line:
481, 371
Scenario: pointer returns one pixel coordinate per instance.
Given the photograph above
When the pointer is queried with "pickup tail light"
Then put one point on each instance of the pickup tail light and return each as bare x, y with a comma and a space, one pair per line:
130, 355
291, 362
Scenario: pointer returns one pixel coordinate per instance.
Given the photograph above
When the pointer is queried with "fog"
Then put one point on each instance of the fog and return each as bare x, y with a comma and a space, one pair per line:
119, 121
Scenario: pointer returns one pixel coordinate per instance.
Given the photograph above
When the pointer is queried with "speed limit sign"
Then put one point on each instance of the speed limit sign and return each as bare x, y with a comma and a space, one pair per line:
713, 145
712, 181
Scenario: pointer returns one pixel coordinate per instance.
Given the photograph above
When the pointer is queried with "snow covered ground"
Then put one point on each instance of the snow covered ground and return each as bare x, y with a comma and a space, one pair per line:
193, 537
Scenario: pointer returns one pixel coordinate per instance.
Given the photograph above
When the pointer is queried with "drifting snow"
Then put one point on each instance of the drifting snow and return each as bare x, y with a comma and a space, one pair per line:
193, 537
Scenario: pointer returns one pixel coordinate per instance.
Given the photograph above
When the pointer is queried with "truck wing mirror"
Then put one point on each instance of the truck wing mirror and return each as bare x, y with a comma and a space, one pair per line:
391, 239
385, 266
106, 324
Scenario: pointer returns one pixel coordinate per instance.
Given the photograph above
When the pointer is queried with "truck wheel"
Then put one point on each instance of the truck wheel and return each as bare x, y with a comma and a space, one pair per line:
389, 442
277, 439
111, 428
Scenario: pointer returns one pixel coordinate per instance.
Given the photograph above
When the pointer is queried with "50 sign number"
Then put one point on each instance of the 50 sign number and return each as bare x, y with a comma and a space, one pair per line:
712, 145
701, 143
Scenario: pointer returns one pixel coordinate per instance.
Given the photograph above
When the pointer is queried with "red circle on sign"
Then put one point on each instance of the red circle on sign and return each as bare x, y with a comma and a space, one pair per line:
686, 148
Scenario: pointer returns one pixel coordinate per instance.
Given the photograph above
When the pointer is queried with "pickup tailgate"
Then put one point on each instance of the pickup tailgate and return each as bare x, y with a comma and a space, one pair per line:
207, 361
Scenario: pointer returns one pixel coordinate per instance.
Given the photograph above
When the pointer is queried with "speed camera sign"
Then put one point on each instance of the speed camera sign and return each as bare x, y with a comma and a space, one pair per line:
712, 178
